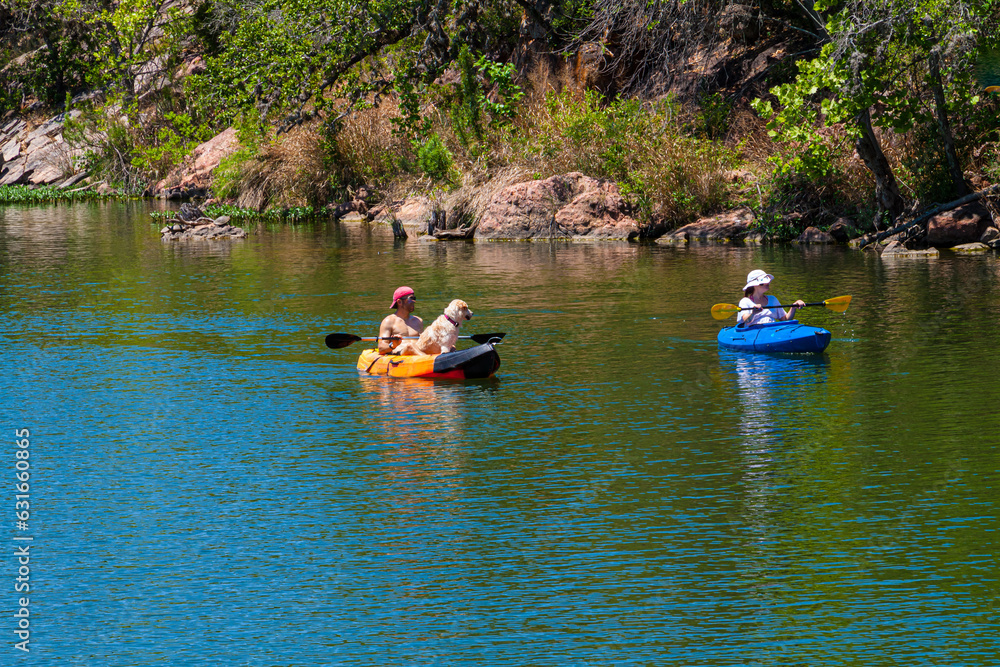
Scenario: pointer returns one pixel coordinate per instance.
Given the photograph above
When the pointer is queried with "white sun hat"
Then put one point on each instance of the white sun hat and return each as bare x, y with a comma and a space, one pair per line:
757, 277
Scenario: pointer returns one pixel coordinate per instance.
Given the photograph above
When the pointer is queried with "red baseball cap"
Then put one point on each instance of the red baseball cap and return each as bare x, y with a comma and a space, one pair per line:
399, 294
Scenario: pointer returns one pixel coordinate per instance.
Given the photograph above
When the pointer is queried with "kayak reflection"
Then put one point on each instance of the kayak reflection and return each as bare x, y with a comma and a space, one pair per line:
419, 436
776, 394
775, 391
774, 388
420, 411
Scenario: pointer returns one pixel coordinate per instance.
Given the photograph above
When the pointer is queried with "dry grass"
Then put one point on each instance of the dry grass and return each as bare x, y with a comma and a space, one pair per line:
365, 150
291, 171
748, 134
670, 176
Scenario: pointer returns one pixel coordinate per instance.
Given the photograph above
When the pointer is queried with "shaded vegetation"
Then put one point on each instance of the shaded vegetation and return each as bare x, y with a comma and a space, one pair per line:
871, 109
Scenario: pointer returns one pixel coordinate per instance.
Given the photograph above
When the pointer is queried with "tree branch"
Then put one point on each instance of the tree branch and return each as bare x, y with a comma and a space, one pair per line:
987, 192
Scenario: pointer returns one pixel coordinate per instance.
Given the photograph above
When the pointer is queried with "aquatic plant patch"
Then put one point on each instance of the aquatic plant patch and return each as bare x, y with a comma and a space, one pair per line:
24, 194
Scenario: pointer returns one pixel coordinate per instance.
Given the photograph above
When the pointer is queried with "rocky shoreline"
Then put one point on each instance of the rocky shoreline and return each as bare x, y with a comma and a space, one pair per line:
570, 206
38, 155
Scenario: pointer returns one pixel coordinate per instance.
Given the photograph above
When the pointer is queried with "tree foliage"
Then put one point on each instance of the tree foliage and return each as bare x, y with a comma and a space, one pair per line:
286, 59
898, 65
79, 45
880, 68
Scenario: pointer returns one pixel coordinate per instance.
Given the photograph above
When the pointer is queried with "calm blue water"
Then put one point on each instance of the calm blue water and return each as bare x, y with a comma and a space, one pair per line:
210, 485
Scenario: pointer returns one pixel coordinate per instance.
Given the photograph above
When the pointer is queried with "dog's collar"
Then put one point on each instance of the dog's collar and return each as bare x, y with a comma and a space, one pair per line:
452, 321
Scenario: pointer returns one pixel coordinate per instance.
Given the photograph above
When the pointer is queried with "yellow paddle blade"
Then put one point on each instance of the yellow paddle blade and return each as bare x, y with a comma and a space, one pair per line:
838, 304
721, 311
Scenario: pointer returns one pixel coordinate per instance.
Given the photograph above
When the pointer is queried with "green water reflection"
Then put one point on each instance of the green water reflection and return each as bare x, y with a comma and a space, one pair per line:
622, 493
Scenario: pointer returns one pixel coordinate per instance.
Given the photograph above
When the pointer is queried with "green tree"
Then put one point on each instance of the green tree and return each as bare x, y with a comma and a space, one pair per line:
96, 44
51, 49
893, 64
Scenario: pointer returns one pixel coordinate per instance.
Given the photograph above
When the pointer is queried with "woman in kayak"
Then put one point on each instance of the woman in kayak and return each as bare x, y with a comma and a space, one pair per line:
763, 306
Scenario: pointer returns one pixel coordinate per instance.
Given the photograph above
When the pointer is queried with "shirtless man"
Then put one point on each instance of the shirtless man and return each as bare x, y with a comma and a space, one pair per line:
401, 323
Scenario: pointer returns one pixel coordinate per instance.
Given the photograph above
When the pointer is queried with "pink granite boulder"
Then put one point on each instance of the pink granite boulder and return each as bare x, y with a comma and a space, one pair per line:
561, 207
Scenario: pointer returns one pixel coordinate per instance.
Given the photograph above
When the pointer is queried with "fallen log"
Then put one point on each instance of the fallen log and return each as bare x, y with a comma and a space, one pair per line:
930, 214
455, 234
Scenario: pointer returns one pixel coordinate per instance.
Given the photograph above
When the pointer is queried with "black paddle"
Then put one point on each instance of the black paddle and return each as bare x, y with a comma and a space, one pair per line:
335, 341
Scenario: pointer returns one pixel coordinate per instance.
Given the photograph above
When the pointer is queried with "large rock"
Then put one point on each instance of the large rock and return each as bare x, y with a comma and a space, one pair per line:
36, 144
415, 213
411, 215
567, 206
815, 235
196, 172
964, 224
151, 77
52, 126
10, 150
729, 227
39, 157
12, 127
896, 249
841, 230
49, 163
13, 172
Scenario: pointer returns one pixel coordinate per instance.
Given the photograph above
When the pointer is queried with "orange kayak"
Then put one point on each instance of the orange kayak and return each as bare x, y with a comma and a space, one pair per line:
480, 361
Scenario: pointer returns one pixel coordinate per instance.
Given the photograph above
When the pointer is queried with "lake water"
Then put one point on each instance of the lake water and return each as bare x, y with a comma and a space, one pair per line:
211, 485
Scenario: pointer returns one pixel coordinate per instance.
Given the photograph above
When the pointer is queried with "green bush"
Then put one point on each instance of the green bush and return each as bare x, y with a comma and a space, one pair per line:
466, 113
434, 159
130, 153
470, 107
670, 177
713, 116
110, 156
165, 147
227, 178
410, 124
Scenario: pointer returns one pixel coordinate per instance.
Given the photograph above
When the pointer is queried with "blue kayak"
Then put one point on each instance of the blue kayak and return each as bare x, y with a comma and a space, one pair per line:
787, 336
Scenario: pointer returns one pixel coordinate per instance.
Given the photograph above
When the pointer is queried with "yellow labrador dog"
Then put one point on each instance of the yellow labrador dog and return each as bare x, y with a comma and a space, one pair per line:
442, 334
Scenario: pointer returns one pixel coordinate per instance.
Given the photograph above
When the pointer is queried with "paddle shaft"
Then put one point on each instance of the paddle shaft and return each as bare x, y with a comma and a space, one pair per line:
817, 303
407, 338
336, 341
838, 304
